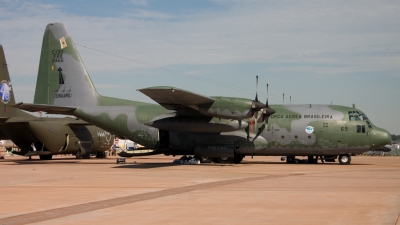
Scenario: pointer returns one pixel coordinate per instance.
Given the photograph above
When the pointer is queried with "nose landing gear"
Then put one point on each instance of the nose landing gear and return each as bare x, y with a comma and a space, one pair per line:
344, 159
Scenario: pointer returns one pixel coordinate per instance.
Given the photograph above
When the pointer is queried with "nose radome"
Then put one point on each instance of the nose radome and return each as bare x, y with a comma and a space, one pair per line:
380, 137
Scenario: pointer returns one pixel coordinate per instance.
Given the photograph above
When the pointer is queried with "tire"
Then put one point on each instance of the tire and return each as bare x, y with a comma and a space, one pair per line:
101, 155
204, 159
223, 160
291, 159
238, 159
312, 160
45, 157
226, 160
344, 159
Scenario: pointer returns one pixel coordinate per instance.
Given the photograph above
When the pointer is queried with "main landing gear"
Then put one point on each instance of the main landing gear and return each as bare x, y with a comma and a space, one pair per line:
45, 157
236, 159
223, 160
344, 159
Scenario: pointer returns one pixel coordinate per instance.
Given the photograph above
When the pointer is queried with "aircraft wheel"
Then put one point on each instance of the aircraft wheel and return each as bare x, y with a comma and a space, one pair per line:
312, 160
238, 159
344, 159
291, 159
204, 159
45, 157
101, 155
223, 159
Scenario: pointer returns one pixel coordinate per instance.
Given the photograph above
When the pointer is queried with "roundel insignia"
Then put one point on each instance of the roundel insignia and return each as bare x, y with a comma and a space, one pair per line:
309, 129
5, 89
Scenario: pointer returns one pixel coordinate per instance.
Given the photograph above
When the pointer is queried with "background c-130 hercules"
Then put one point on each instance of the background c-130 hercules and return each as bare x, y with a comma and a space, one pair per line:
45, 137
187, 123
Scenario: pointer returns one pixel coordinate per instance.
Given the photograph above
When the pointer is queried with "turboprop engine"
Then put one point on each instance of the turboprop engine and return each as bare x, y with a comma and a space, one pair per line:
231, 108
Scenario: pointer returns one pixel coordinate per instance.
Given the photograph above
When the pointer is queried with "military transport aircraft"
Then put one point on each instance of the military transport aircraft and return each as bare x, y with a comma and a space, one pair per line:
223, 128
46, 137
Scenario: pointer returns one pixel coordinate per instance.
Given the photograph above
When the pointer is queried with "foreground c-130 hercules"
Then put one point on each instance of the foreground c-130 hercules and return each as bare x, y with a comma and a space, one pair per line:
45, 137
223, 128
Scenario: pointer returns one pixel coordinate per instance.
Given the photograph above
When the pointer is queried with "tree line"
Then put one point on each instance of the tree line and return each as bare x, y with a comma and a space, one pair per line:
395, 137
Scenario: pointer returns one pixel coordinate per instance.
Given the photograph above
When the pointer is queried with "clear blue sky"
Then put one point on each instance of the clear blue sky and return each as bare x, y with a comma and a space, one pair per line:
317, 51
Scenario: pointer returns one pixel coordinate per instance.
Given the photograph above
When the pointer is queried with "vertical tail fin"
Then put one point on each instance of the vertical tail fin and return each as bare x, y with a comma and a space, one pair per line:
62, 77
6, 92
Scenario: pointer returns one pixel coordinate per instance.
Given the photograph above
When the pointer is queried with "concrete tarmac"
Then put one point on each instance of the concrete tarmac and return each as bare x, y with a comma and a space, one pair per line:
262, 190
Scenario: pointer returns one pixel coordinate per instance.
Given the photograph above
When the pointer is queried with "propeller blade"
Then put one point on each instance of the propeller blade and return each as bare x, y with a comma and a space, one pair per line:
267, 111
267, 97
257, 105
256, 89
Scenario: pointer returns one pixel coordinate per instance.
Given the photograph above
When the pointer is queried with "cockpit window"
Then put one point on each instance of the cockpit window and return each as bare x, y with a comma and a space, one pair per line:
364, 117
357, 116
354, 116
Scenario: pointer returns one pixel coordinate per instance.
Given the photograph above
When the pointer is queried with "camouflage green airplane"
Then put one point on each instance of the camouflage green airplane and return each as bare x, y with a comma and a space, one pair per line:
46, 137
223, 128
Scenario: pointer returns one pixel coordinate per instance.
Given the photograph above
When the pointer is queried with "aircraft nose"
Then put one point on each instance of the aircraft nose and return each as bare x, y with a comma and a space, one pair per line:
379, 137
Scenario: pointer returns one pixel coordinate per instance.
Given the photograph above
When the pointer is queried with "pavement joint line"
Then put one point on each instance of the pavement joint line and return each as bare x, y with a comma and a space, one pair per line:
104, 204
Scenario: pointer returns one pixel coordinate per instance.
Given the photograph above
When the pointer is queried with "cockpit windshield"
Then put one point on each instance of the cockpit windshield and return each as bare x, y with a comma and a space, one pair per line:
364, 117
356, 116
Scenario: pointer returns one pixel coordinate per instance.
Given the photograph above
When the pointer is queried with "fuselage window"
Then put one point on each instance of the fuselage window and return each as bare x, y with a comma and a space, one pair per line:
360, 128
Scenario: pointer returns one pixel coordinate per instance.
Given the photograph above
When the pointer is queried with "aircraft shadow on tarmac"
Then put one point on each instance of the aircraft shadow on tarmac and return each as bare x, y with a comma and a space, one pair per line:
296, 164
60, 161
160, 165
143, 165
151, 165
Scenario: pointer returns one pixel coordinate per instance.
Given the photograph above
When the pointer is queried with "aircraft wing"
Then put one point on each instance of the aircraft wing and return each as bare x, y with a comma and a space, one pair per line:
174, 98
45, 108
65, 120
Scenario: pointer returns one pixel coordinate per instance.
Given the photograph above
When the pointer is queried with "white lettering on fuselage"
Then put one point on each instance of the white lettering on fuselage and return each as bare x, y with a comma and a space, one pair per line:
308, 116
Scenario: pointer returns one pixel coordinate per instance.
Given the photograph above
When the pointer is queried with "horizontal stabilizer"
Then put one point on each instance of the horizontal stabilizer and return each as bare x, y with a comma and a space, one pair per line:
174, 98
45, 108
31, 153
65, 120
3, 119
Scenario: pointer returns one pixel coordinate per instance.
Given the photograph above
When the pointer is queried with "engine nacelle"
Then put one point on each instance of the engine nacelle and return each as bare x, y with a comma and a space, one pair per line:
231, 108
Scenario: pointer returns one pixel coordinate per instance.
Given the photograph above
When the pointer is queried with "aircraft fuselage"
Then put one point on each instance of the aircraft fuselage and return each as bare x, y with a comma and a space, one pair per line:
292, 130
